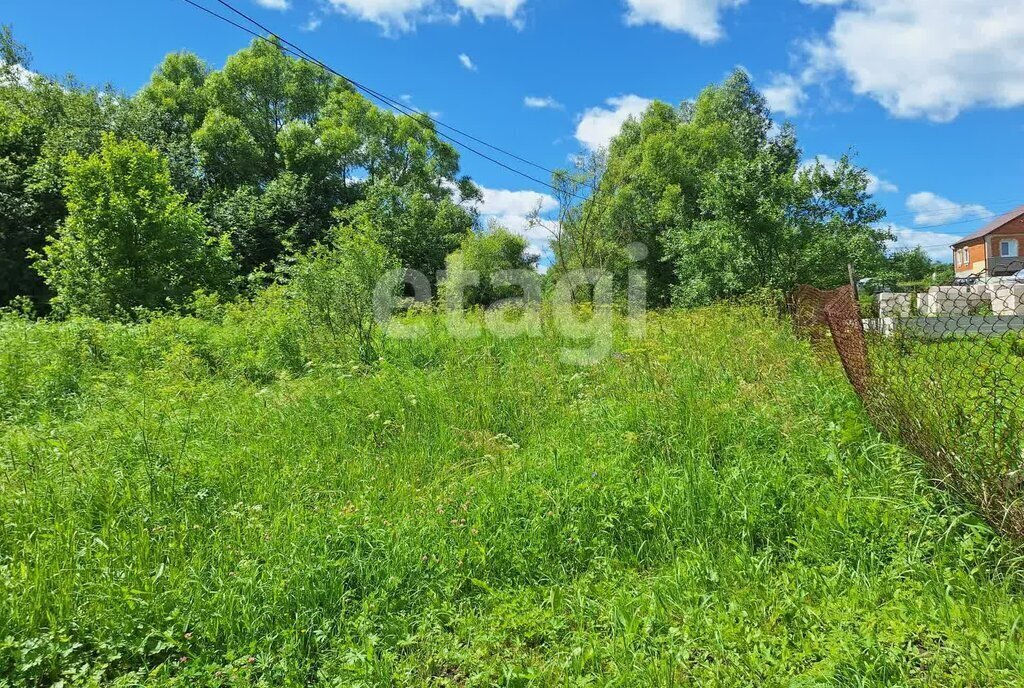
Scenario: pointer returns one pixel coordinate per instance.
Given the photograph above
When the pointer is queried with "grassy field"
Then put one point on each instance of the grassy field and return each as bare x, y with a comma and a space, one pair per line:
958, 404
221, 501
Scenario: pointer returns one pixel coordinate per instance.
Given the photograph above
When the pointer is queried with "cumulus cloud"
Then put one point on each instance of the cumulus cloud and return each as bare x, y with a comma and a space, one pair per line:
699, 18
397, 16
485, 9
391, 15
505, 203
785, 94
927, 58
541, 103
936, 244
876, 184
932, 209
16, 74
467, 62
599, 125
274, 4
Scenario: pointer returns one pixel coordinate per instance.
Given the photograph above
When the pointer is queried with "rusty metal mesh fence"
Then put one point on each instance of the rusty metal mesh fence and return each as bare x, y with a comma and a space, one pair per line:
940, 370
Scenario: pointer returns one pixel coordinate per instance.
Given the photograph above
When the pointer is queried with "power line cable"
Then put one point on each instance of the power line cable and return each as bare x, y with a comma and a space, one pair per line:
423, 118
288, 47
390, 100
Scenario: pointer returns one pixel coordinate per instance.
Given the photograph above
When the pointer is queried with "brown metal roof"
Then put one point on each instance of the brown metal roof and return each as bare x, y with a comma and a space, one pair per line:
992, 226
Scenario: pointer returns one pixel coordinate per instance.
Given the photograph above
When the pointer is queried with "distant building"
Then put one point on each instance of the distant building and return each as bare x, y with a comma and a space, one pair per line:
993, 250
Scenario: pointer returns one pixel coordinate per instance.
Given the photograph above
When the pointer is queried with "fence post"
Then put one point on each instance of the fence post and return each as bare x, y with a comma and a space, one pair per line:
853, 282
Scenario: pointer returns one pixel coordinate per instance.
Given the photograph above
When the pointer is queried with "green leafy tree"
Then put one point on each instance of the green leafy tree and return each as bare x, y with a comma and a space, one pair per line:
41, 122
480, 256
130, 241
915, 265
271, 150
714, 192
228, 153
274, 150
836, 224
420, 230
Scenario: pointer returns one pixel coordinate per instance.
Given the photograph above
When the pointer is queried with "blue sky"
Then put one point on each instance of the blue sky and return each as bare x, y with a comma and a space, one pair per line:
928, 93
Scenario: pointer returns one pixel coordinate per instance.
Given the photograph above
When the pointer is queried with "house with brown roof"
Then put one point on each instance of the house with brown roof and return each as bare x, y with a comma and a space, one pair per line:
993, 250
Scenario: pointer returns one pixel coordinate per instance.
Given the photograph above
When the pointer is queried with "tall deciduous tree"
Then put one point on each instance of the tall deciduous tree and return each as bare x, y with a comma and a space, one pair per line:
714, 191
130, 241
40, 123
279, 148
472, 268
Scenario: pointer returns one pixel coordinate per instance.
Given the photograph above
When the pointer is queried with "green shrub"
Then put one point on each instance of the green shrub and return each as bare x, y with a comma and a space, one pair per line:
336, 287
130, 241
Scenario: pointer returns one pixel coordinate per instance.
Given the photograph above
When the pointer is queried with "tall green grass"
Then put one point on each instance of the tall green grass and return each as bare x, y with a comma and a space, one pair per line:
217, 502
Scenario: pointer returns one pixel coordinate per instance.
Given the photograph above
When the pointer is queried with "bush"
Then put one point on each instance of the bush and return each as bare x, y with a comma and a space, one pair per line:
335, 286
130, 241
484, 255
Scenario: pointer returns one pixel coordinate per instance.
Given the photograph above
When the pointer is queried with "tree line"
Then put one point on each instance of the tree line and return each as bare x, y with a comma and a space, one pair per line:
716, 192
224, 180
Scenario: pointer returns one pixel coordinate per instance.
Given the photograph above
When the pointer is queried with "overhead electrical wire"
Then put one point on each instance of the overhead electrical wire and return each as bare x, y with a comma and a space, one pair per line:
423, 118
388, 99
417, 116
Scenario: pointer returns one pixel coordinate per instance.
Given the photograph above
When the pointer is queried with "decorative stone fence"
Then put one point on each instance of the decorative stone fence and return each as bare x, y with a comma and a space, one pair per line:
1004, 299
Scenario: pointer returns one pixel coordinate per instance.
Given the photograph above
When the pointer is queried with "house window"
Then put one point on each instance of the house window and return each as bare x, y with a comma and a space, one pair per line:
1008, 248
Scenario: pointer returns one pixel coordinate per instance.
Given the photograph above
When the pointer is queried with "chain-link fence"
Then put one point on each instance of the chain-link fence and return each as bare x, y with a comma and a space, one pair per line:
940, 369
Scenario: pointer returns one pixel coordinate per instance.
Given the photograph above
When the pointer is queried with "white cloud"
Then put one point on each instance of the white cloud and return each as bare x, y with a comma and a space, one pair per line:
391, 15
539, 103
598, 125
16, 74
397, 16
518, 203
932, 209
935, 244
928, 58
313, 24
274, 4
467, 62
483, 9
699, 18
785, 94
875, 185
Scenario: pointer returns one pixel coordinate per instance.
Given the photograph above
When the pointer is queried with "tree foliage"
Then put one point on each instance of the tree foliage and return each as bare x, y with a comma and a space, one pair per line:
275, 151
716, 194
471, 270
915, 265
41, 122
271, 151
129, 241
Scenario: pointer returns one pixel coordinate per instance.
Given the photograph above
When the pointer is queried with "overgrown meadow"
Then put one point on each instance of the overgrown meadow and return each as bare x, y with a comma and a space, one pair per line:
229, 499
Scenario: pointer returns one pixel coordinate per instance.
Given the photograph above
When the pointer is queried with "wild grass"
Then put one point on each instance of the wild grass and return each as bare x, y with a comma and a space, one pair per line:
958, 404
214, 501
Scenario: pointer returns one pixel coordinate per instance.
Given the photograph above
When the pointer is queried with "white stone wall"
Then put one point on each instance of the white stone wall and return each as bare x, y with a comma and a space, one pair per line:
1005, 298
894, 305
